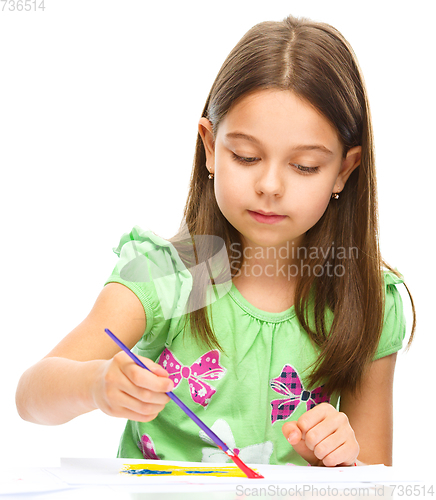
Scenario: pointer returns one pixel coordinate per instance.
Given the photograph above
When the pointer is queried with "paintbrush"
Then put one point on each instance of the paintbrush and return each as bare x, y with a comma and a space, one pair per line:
221, 445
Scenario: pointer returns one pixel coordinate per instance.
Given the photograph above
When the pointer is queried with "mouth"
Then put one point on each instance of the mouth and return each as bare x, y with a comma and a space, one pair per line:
265, 213
266, 217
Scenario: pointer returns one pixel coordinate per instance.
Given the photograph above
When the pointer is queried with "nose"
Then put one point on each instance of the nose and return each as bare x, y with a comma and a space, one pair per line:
270, 181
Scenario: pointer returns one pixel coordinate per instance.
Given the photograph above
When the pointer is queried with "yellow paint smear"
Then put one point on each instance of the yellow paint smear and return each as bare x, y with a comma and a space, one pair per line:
159, 470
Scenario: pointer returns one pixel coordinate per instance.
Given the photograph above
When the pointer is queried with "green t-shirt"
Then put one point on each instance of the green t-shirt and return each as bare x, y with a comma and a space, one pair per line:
245, 393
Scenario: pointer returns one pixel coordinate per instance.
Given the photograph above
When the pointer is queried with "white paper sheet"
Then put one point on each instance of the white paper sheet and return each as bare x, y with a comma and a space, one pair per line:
15, 480
93, 471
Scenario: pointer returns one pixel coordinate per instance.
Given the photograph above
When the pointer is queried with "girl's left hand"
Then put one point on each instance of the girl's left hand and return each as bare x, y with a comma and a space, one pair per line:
323, 436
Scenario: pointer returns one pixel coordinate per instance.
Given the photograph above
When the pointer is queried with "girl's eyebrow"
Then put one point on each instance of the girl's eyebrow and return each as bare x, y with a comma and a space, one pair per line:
299, 147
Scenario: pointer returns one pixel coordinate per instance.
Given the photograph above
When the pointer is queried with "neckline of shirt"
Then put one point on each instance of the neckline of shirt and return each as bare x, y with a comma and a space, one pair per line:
271, 317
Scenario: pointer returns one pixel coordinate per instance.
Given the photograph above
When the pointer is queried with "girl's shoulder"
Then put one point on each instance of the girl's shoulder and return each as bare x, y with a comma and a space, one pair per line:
392, 278
394, 323
145, 257
151, 267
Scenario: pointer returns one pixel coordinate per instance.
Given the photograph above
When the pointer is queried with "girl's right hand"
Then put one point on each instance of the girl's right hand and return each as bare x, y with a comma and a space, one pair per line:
124, 389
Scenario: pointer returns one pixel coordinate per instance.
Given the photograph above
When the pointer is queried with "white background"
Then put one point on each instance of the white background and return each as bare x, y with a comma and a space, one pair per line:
99, 105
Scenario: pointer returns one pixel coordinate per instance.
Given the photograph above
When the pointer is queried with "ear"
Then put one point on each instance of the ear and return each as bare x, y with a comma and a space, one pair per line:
206, 133
349, 163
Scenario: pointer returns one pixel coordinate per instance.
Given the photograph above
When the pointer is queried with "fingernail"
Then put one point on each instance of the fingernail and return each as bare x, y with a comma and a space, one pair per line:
292, 436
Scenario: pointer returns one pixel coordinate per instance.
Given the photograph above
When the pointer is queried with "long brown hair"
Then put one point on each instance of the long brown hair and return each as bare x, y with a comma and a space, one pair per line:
314, 61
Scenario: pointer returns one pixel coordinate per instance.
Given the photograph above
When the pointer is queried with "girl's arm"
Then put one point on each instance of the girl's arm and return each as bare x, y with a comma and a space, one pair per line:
87, 370
360, 432
370, 412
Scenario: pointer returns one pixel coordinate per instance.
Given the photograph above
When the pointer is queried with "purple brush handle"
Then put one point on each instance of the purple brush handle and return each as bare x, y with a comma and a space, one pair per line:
171, 394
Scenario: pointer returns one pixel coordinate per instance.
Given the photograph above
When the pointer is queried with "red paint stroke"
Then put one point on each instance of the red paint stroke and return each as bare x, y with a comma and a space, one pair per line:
244, 468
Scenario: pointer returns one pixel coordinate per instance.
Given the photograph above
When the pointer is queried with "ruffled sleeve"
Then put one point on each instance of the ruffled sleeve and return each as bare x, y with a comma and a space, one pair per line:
151, 267
394, 326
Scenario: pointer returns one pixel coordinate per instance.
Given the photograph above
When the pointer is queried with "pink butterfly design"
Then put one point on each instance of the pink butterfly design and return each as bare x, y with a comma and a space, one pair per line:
289, 384
206, 367
146, 446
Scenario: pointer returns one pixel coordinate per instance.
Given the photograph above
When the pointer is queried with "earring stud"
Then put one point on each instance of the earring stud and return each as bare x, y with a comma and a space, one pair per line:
210, 176
335, 196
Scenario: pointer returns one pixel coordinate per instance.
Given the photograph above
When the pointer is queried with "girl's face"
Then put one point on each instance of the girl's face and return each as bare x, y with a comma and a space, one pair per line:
275, 153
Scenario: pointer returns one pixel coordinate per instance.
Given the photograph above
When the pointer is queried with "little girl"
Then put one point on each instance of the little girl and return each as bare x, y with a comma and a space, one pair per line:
287, 349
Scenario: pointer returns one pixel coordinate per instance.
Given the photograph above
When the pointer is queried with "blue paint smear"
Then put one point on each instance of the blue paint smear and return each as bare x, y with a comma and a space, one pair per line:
158, 472
206, 472
149, 472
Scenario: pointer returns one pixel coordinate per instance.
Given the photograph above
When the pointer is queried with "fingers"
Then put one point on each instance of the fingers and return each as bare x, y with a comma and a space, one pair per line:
327, 436
342, 455
316, 415
158, 378
292, 432
154, 367
136, 409
129, 391
294, 436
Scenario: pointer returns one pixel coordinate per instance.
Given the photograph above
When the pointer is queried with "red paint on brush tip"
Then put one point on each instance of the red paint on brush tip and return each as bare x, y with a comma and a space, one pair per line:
244, 468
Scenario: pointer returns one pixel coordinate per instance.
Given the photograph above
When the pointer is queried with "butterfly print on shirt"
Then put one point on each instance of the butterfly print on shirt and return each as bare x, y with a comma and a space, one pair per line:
289, 384
206, 367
